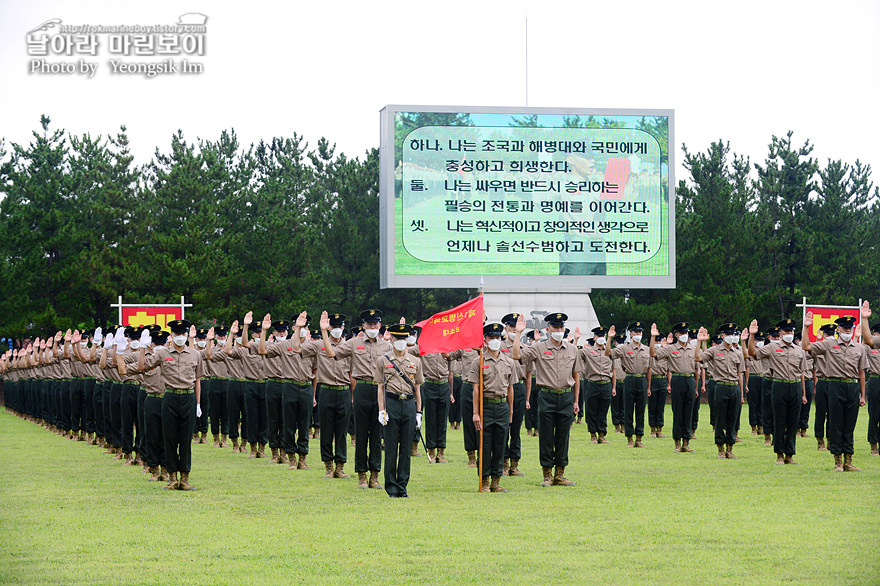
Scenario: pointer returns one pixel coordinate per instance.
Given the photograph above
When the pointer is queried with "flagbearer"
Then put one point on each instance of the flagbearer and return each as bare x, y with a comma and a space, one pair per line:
729, 368
557, 369
400, 408
181, 369
498, 399
845, 365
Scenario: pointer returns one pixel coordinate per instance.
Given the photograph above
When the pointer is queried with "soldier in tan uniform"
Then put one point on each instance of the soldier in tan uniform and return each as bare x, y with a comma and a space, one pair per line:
871, 339
600, 379
498, 373
557, 367
820, 387
680, 363
400, 408
660, 387
513, 444
635, 361
787, 363
845, 365
728, 369
754, 386
181, 371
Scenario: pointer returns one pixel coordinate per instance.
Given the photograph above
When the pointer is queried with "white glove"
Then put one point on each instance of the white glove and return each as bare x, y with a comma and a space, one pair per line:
418, 421
383, 417
146, 340
120, 335
108, 340
97, 335
198, 410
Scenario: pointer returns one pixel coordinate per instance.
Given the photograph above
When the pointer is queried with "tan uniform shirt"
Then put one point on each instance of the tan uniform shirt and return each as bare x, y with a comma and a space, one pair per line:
818, 363
842, 359
658, 368
554, 366
519, 371
234, 368
785, 362
726, 363
462, 359
130, 377
497, 375
597, 366
285, 363
211, 368
152, 379
410, 365
756, 367
874, 356
362, 354
110, 372
179, 368
330, 372
679, 359
252, 364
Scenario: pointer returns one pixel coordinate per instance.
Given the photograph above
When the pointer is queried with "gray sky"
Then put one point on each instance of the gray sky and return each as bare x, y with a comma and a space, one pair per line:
737, 70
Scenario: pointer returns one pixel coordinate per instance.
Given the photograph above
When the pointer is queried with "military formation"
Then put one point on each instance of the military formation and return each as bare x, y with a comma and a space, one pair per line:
145, 395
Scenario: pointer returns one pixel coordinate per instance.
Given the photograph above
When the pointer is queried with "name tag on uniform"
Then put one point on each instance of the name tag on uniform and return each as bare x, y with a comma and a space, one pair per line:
389, 366
290, 349
779, 350
548, 352
875, 351
169, 358
323, 349
593, 352
485, 366
630, 352
361, 348
720, 355
505, 350
674, 352
836, 347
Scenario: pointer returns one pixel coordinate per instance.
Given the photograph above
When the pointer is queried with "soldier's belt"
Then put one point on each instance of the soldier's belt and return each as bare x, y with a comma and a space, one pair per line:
241, 380
843, 380
335, 387
256, 380
78, 378
725, 383
689, 374
872, 375
494, 401
556, 391
401, 397
783, 380
635, 375
157, 395
435, 382
822, 378
361, 381
180, 391
281, 380
521, 381
600, 381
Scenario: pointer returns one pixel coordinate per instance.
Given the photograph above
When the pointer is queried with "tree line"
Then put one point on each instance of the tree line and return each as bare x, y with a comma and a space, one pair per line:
282, 226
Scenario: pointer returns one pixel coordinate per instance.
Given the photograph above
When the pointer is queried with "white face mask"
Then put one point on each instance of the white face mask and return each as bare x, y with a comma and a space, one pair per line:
730, 340
221, 342
658, 346
683, 338
280, 336
788, 338
557, 336
600, 341
845, 337
494, 345
238, 340
83, 344
400, 345
410, 340
255, 341
692, 343
180, 340
134, 344
759, 344
371, 333
303, 333
336, 332
636, 339
201, 343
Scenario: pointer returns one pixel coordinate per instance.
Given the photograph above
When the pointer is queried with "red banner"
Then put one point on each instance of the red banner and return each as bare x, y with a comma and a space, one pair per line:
459, 328
823, 315
143, 316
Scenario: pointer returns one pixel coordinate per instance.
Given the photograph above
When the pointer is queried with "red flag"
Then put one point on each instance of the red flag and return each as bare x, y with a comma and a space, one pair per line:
459, 328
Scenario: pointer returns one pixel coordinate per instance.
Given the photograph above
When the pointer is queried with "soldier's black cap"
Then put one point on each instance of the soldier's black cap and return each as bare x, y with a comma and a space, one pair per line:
591, 341
876, 327
530, 334
829, 329
659, 337
847, 321
681, 326
399, 330
152, 328
315, 333
636, 326
179, 326
371, 315
356, 330
599, 331
159, 338
132, 332
202, 333
692, 334
255, 327
620, 339
510, 319
282, 325
87, 333
774, 331
417, 330
797, 336
337, 319
760, 336
727, 328
787, 324
556, 319
296, 317
717, 340
221, 332
493, 330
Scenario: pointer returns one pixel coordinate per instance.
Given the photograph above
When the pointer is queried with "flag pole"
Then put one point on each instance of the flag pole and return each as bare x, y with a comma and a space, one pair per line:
480, 463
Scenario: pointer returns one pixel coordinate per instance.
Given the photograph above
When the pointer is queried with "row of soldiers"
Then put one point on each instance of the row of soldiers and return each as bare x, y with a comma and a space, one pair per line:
267, 388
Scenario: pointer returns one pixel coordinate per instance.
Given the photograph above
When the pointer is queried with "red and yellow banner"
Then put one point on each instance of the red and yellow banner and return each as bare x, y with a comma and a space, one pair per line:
826, 314
459, 328
143, 316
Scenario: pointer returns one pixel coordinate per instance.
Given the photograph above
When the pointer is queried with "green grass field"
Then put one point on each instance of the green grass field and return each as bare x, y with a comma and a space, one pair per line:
71, 515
